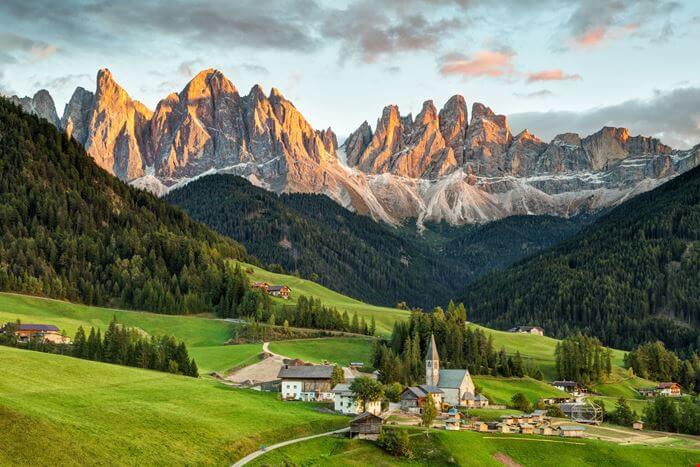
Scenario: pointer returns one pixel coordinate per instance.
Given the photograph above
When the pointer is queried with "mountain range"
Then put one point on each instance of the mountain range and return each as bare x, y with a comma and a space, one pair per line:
444, 165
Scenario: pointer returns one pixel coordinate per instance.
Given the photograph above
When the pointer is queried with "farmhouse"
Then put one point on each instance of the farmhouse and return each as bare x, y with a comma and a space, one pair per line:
571, 387
45, 332
638, 425
366, 426
663, 389
306, 382
413, 398
346, 403
538, 331
457, 385
281, 291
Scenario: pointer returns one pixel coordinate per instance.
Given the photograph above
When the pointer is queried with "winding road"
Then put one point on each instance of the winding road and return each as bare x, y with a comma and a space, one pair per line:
260, 452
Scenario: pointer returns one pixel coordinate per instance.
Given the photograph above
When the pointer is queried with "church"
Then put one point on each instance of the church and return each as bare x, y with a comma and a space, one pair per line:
457, 385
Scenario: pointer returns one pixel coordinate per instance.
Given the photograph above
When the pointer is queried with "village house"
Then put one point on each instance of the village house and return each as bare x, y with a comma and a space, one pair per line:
281, 291
366, 426
478, 401
457, 384
481, 426
526, 429
638, 425
346, 402
572, 387
538, 331
45, 332
573, 431
546, 430
454, 422
663, 389
306, 382
413, 398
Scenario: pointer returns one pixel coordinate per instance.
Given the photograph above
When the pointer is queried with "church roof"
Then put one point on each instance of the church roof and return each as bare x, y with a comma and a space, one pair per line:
432, 350
451, 378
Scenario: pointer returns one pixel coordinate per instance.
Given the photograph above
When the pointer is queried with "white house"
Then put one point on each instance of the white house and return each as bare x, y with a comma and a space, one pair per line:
306, 382
457, 385
346, 403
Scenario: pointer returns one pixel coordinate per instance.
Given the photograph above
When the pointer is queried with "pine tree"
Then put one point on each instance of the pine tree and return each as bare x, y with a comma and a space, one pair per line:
79, 343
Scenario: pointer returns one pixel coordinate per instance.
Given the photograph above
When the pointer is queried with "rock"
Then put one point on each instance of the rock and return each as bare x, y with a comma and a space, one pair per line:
41, 105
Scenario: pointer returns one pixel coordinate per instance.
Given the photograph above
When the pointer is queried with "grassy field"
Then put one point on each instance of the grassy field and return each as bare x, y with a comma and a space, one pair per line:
384, 316
204, 337
491, 415
500, 390
337, 350
57, 410
478, 449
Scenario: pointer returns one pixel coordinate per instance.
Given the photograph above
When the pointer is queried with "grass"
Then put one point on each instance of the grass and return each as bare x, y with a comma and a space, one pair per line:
57, 410
478, 449
491, 415
337, 350
204, 337
384, 316
500, 390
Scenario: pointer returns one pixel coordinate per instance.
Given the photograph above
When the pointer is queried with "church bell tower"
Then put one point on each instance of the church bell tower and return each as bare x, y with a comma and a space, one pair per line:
432, 364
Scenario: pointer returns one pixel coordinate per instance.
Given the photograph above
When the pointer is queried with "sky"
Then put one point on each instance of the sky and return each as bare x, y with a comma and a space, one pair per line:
551, 66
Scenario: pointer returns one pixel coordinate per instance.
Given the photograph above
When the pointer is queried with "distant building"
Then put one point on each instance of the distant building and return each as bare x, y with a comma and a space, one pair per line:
638, 425
455, 384
346, 402
527, 429
574, 431
572, 387
281, 291
546, 430
453, 423
663, 389
306, 382
46, 332
528, 330
413, 398
366, 426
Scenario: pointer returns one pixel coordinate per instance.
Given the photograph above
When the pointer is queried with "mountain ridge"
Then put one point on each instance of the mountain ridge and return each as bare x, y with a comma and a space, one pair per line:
439, 166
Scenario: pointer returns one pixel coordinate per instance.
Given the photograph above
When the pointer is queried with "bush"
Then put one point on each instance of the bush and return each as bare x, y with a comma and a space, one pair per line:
520, 402
395, 442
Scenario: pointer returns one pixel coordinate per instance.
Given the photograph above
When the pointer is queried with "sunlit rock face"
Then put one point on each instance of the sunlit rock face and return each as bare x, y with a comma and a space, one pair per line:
443, 165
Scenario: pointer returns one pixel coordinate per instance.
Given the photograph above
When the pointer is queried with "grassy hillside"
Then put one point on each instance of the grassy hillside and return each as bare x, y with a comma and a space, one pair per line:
501, 390
476, 449
204, 337
57, 410
338, 350
383, 316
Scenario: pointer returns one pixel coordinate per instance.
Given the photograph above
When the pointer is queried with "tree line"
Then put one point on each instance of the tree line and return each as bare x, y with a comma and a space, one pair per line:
582, 359
402, 357
653, 361
120, 345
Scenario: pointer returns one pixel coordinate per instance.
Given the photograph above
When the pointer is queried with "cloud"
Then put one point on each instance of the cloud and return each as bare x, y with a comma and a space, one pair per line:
672, 116
366, 31
490, 63
253, 68
551, 75
536, 94
61, 81
16, 48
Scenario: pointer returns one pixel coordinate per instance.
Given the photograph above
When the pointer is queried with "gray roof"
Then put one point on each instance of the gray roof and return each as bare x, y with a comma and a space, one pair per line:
341, 388
480, 397
416, 391
37, 327
572, 428
432, 350
306, 372
451, 378
430, 389
468, 396
276, 288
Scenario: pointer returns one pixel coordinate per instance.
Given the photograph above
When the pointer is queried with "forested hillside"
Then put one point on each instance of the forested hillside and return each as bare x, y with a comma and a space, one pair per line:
314, 236
631, 277
70, 230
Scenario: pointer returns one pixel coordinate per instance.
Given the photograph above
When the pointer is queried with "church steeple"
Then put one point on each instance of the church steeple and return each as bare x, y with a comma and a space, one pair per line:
432, 364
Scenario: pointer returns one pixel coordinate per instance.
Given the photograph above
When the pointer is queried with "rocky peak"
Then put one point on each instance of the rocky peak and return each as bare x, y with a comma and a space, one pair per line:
487, 140
76, 114
41, 105
428, 114
329, 139
522, 153
453, 125
356, 143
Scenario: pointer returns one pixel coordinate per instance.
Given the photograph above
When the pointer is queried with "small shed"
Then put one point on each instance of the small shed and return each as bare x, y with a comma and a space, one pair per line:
452, 424
481, 426
546, 430
366, 426
504, 428
574, 431
638, 425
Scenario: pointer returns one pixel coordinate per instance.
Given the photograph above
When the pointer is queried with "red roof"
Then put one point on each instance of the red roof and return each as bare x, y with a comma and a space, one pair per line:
667, 385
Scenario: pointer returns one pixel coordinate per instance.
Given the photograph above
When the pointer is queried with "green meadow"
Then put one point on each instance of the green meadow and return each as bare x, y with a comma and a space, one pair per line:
57, 410
204, 337
478, 449
333, 349
501, 390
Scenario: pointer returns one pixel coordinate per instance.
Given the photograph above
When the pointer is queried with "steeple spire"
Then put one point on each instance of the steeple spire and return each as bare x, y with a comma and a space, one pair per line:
432, 364
432, 350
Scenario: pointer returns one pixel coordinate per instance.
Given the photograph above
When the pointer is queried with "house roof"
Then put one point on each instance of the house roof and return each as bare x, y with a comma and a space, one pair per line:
342, 388
539, 412
37, 327
566, 384
667, 385
432, 353
451, 378
572, 428
468, 396
480, 397
363, 416
430, 389
416, 391
277, 288
525, 328
306, 372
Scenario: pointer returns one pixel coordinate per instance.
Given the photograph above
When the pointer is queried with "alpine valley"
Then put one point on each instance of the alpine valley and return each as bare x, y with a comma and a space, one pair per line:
441, 166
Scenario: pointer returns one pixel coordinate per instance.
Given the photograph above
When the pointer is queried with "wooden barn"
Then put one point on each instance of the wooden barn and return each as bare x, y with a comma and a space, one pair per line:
366, 426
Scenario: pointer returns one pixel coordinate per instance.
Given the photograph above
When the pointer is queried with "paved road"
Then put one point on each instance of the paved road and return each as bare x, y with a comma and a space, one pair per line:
260, 452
